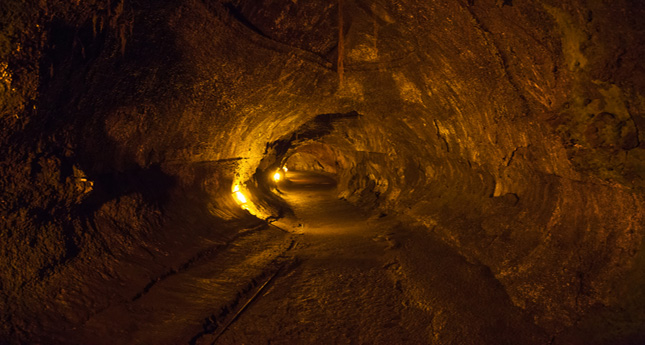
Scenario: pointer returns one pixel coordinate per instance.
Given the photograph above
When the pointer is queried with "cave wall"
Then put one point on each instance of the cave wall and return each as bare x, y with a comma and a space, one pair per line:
514, 140
512, 130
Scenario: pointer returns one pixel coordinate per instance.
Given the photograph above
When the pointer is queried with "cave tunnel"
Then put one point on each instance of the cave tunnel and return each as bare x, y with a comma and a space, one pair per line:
322, 172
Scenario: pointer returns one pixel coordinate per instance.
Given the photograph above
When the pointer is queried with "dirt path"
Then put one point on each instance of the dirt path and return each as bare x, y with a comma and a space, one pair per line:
341, 277
341, 291
362, 280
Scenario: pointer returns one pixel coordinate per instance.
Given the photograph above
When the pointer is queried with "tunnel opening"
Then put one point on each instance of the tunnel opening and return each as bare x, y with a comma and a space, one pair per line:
299, 179
458, 172
299, 147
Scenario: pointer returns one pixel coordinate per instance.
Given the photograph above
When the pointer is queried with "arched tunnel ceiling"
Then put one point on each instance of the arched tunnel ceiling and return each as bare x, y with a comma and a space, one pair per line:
511, 130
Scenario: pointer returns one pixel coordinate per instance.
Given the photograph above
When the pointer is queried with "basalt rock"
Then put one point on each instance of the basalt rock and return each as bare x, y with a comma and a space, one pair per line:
512, 130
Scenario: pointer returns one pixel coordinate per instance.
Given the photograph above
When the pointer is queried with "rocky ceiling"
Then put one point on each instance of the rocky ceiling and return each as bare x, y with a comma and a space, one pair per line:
512, 130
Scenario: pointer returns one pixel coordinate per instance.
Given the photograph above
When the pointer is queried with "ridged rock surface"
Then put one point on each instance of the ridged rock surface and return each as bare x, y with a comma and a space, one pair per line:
512, 130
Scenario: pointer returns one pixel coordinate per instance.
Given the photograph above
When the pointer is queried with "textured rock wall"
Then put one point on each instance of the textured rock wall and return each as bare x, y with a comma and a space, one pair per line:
106, 187
486, 130
512, 129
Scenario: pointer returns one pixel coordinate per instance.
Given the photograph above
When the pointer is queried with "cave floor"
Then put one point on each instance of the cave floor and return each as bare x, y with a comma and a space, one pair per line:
361, 279
341, 289
338, 275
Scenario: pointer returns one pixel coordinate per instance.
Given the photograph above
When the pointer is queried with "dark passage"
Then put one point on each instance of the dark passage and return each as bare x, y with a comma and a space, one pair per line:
322, 172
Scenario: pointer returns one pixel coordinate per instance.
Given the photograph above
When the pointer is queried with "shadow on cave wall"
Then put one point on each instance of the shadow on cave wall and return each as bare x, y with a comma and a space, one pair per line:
316, 128
92, 63
97, 67
89, 198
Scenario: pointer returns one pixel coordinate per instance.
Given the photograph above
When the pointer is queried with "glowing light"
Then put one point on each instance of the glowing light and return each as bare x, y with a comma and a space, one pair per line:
277, 176
285, 168
240, 197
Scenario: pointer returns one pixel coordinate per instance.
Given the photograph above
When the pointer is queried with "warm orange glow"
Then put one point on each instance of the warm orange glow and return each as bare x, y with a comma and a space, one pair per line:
240, 197
277, 176
285, 168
